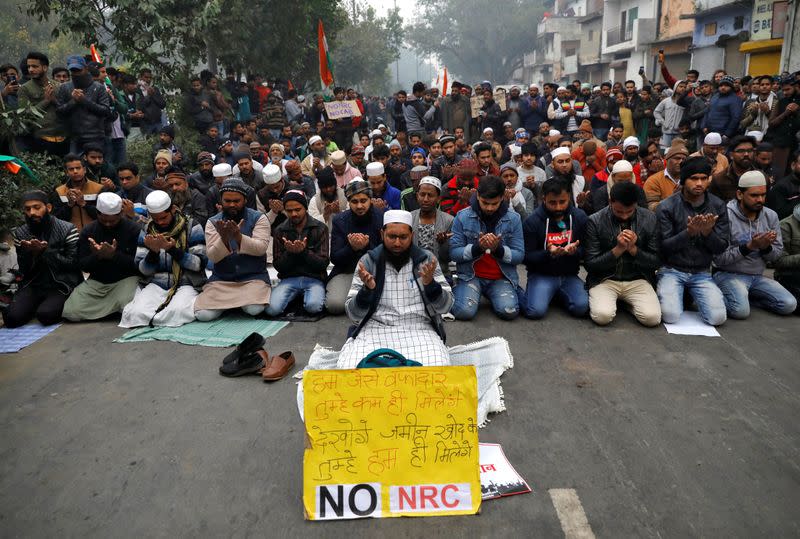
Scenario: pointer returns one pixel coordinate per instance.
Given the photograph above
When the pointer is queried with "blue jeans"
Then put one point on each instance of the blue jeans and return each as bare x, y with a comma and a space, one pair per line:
541, 289
289, 288
600, 133
738, 289
706, 294
501, 293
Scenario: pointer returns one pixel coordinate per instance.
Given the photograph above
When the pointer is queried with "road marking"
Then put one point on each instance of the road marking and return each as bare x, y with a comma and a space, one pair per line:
571, 514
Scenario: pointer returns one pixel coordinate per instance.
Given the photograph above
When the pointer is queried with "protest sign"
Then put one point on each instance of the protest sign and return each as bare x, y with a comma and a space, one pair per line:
391, 442
500, 98
475, 104
498, 477
341, 109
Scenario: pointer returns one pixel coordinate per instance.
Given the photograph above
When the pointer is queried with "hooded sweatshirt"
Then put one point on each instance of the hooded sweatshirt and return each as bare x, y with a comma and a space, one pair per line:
737, 258
541, 230
668, 114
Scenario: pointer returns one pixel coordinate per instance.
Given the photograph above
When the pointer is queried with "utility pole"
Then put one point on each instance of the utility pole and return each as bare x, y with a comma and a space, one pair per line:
353, 7
397, 62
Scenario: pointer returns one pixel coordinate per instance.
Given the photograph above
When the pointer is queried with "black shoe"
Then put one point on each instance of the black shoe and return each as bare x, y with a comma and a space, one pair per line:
249, 364
253, 342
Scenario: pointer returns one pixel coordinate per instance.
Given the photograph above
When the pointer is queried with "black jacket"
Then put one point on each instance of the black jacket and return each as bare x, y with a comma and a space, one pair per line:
602, 230
678, 249
86, 119
598, 199
122, 264
537, 258
343, 257
784, 195
59, 260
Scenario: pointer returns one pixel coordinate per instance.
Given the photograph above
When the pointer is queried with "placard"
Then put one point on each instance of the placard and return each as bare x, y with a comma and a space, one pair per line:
336, 110
500, 98
476, 102
498, 477
391, 442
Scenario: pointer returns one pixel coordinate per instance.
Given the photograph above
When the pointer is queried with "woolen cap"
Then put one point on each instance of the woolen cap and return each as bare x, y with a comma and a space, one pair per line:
357, 186
297, 196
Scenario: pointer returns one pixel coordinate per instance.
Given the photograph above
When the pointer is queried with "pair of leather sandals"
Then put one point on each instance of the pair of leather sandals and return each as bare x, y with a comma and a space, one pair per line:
249, 357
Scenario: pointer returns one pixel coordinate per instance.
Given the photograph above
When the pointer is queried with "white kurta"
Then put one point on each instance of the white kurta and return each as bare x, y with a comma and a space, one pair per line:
399, 323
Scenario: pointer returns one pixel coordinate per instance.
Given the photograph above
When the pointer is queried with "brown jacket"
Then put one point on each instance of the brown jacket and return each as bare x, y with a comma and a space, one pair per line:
658, 187
77, 215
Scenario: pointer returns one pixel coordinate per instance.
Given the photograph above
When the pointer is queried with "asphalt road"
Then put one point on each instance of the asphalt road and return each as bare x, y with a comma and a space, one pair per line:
659, 435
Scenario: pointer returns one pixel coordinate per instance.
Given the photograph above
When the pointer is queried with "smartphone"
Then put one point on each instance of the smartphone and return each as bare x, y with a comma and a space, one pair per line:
12, 79
641, 70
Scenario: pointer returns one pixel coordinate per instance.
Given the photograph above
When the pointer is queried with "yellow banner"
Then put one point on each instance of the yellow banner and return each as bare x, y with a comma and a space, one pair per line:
391, 442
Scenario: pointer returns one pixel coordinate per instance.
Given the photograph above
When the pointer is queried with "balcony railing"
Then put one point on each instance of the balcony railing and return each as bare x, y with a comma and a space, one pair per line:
618, 35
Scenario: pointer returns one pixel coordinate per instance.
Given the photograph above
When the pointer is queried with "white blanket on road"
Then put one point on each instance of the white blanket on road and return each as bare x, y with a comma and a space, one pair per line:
491, 359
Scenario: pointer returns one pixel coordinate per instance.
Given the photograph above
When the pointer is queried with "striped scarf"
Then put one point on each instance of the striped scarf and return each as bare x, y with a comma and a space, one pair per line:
179, 231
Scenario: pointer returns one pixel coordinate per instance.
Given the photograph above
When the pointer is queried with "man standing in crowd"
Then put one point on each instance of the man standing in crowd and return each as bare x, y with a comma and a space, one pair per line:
237, 239
784, 124
754, 240
300, 257
455, 110
724, 111
621, 257
784, 196
40, 92
47, 254
693, 227
106, 251
84, 105
487, 246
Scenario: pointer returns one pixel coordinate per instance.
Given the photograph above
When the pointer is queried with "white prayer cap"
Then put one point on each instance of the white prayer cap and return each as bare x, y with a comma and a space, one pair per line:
109, 203
375, 169
376, 133
561, 89
713, 139
431, 180
758, 135
157, 202
271, 174
313, 140
488, 130
397, 216
221, 170
533, 86
381, 126
560, 151
752, 178
621, 166
515, 150
554, 133
630, 141
596, 89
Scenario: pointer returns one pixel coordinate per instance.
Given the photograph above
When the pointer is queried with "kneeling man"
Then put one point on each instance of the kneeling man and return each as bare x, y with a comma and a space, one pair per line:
172, 257
301, 257
237, 240
397, 299
106, 251
621, 257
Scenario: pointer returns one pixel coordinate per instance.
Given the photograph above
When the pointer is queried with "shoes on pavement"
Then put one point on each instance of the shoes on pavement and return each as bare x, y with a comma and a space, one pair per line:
250, 345
278, 367
242, 365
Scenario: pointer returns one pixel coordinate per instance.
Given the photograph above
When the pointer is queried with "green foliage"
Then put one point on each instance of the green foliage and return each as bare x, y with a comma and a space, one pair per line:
19, 121
22, 34
363, 49
477, 39
49, 172
141, 151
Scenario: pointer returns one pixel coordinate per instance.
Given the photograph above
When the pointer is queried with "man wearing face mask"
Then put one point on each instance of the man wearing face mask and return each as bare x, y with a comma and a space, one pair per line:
84, 105
47, 253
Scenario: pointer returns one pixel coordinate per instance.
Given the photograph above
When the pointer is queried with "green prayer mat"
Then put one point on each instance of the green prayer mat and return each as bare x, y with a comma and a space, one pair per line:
226, 331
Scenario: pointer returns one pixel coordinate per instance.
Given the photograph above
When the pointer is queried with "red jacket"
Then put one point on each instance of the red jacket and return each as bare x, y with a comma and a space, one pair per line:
450, 202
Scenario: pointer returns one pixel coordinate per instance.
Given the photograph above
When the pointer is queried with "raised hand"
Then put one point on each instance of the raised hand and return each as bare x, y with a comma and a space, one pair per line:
426, 272
366, 277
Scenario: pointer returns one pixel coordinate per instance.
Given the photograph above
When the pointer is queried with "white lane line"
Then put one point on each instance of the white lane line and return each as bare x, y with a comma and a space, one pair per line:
571, 514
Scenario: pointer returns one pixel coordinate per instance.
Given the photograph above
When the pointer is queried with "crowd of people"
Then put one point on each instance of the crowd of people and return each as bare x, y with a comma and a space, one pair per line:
667, 194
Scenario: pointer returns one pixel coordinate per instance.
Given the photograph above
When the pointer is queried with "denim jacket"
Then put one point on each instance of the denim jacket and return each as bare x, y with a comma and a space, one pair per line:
466, 227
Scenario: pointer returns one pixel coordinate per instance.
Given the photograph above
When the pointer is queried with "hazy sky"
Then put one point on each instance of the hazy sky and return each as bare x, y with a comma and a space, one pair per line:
381, 6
